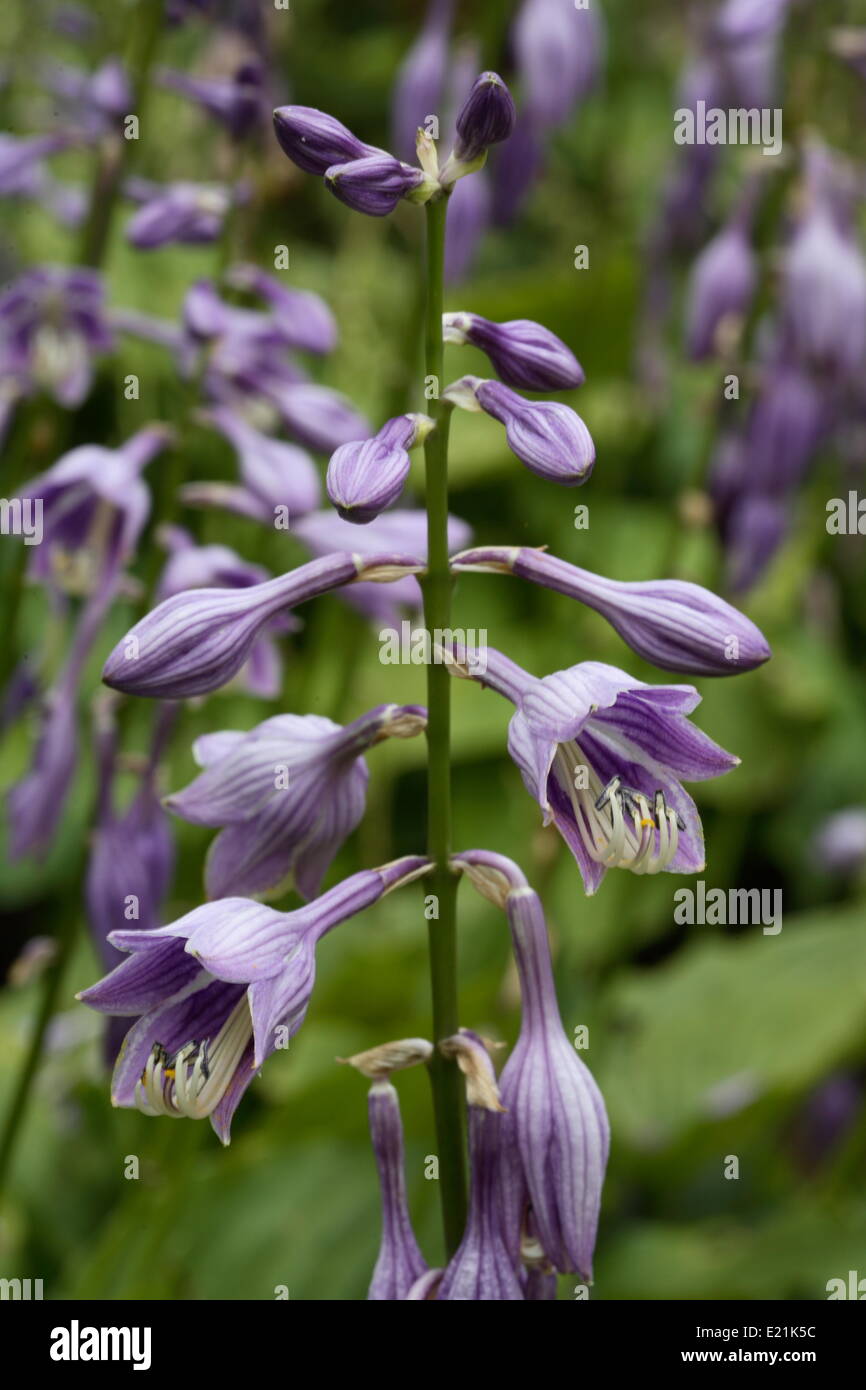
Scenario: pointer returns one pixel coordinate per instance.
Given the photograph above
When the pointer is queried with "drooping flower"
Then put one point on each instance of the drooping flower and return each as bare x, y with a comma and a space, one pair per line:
287, 794
671, 623
197, 641
236, 101
52, 328
182, 213
279, 481
94, 507
554, 1132
316, 141
525, 354
191, 566
399, 1262
368, 475
605, 755
218, 991
548, 437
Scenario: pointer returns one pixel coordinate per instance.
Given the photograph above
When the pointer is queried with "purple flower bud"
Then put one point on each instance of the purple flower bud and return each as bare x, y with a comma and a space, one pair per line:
189, 214
318, 417
722, 284
36, 802
196, 641
468, 217
218, 991
316, 141
287, 794
375, 184
420, 81
671, 623
21, 172
486, 118
524, 354
558, 51
237, 101
400, 1261
755, 527
824, 287
366, 477
275, 475
303, 318
550, 438
555, 1118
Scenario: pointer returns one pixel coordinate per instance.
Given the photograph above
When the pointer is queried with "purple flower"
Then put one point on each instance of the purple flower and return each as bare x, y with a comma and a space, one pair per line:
468, 217
375, 184
755, 527
524, 353
421, 79
604, 755
36, 802
95, 102
400, 1262
218, 991
189, 214
367, 476
318, 417
52, 326
303, 318
555, 1119
196, 641
21, 171
288, 794
486, 118
550, 438
783, 430
323, 532
279, 480
237, 102
558, 51
839, 845
824, 287
671, 623
483, 1268
192, 566
722, 284
94, 507
316, 141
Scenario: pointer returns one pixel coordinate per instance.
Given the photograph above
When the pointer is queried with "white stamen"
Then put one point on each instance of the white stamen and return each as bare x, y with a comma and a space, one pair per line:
194, 1081
623, 833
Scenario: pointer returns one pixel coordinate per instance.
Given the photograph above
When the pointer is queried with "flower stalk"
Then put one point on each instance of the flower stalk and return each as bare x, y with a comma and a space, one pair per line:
437, 586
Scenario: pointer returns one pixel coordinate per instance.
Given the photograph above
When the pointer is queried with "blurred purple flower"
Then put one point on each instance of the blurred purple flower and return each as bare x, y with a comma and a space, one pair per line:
237, 101
187, 214
52, 327
279, 481
558, 50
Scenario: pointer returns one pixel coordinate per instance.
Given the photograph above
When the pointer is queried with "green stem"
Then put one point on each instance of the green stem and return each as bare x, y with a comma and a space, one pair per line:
145, 31
52, 982
448, 1098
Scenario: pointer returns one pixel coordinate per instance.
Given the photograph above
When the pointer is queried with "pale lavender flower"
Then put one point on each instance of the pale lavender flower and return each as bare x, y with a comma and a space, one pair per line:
483, 1268
287, 795
197, 641
400, 1262
375, 184
303, 318
468, 218
421, 79
52, 328
839, 845
21, 170
36, 802
188, 214
316, 141
237, 101
558, 50
722, 284
671, 623
94, 507
824, 289
279, 481
323, 532
218, 991
548, 437
317, 416
525, 354
192, 566
96, 102
367, 476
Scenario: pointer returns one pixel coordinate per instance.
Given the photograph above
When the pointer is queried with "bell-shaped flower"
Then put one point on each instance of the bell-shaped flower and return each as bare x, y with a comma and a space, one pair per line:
94, 506
368, 475
483, 1268
197, 641
377, 183
669, 622
53, 326
279, 481
605, 755
554, 1132
549, 437
323, 532
287, 794
219, 990
400, 1262
486, 118
315, 141
524, 354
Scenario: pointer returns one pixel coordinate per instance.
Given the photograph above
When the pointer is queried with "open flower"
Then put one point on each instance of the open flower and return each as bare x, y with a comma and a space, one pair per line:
288, 794
605, 756
218, 991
